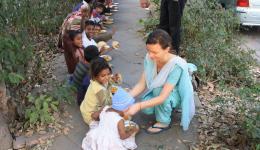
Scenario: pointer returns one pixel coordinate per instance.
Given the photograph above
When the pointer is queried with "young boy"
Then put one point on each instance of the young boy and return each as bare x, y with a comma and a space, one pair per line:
81, 75
97, 29
102, 36
88, 33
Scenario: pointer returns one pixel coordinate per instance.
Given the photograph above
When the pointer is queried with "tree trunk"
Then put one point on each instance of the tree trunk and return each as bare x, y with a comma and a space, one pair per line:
5, 136
7, 106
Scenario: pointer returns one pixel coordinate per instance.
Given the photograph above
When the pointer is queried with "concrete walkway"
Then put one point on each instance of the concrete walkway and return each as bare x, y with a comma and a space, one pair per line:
128, 61
251, 39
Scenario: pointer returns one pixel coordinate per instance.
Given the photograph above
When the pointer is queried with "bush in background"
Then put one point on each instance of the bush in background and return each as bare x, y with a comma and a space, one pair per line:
28, 31
21, 22
210, 41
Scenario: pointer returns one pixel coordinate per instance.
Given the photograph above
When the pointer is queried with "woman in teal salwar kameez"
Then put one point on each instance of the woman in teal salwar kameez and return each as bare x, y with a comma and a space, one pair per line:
167, 79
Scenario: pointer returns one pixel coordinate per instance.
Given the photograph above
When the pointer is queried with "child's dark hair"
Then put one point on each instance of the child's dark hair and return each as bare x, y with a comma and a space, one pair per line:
97, 65
161, 37
89, 23
98, 24
101, 1
88, 1
73, 33
100, 5
91, 52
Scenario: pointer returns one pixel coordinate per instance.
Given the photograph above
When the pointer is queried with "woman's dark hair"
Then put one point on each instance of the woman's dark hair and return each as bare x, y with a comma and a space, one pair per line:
89, 23
97, 65
91, 52
73, 33
161, 37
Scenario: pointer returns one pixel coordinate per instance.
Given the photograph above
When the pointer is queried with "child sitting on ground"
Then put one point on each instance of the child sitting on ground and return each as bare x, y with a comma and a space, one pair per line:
88, 34
74, 21
98, 93
73, 51
97, 13
81, 75
111, 133
97, 29
98, 36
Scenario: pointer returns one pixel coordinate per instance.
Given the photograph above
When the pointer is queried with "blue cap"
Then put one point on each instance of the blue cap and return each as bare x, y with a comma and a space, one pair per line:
121, 100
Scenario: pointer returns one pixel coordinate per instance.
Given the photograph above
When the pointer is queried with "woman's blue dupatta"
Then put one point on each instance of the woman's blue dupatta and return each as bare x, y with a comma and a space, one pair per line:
185, 89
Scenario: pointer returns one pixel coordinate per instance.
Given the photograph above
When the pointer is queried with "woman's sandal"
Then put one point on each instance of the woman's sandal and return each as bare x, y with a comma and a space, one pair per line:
157, 132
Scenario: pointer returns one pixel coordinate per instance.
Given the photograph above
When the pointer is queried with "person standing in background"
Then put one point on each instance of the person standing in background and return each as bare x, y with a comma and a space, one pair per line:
170, 19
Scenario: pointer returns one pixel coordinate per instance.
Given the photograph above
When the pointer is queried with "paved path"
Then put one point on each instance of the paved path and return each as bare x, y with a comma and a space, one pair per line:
128, 61
251, 39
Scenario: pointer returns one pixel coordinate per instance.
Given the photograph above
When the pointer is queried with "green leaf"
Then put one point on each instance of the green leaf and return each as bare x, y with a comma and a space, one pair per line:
48, 99
15, 78
38, 103
54, 107
33, 117
45, 106
30, 98
55, 103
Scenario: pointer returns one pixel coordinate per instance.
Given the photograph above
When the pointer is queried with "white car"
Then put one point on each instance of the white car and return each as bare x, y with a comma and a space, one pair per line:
249, 12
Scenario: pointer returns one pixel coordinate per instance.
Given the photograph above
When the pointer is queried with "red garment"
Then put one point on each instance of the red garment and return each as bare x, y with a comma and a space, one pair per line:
80, 54
71, 22
70, 53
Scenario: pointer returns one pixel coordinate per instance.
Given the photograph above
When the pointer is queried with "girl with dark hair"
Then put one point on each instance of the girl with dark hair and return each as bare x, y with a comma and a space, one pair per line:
74, 21
73, 51
111, 132
81, 75
167, 79
98, 93
97, 12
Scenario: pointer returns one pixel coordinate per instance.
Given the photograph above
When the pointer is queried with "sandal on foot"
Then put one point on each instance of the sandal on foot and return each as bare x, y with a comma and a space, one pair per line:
157, 132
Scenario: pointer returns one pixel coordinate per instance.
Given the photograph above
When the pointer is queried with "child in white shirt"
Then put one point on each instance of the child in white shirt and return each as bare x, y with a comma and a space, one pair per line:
111, 133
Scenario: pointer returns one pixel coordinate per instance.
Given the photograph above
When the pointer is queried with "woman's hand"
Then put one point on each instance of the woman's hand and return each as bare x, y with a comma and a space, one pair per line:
132, 110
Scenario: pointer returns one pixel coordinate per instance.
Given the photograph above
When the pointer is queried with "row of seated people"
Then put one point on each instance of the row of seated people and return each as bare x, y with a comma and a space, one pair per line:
80, 33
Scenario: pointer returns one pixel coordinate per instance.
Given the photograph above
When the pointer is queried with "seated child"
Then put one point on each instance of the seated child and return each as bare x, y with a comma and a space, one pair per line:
87, 36
98, 93
78, 6
97, 13
73, 51
107, 4
102, 36
111, 133
81, 75
88, 33
73, 21
97, 29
